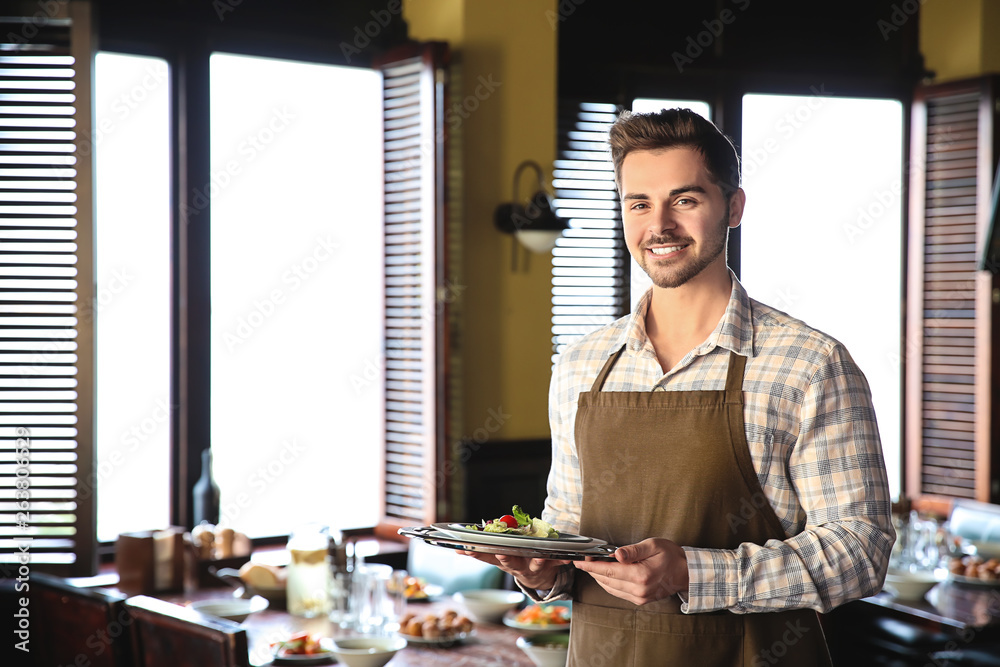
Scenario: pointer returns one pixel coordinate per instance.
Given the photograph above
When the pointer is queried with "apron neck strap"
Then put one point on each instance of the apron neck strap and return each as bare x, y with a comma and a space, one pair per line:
603, 375
734, 378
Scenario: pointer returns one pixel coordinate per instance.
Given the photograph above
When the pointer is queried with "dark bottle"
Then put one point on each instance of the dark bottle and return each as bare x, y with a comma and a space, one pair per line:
206, 493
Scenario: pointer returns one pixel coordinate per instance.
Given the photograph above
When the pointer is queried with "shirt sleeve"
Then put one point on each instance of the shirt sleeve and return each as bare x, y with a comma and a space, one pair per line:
564, 493
560, 591
838, 474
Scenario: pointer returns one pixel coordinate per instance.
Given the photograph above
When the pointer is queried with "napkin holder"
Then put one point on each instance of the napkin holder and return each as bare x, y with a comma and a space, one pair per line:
150, 561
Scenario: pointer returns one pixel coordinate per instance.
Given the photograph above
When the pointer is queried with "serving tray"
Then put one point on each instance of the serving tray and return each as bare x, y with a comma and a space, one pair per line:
434, 537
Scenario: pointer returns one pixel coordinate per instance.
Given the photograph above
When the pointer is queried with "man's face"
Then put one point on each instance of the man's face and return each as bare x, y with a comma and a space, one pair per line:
676, 218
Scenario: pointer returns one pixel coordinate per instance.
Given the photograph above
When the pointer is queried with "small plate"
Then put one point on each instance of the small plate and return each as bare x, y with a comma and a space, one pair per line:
318, 659
430, 593
438, 642
567, 541
973, 581
510, 619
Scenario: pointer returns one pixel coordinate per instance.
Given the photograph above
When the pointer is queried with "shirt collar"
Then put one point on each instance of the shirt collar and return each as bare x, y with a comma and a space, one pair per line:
734, 331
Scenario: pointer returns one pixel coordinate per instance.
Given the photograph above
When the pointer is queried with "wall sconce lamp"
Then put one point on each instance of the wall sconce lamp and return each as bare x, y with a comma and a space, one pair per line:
535, 225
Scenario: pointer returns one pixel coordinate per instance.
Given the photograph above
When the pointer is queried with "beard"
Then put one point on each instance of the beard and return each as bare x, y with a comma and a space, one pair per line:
675, 276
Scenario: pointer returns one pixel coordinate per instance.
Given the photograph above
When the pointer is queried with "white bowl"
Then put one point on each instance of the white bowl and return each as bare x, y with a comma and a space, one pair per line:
367, 651
909, 585
231, 609
546, 650
488, 605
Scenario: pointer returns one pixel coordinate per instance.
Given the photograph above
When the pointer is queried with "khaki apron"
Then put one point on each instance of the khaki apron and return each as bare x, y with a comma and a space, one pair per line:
675, 464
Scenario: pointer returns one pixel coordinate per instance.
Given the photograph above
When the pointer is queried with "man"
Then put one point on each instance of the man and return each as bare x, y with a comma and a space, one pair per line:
730, 448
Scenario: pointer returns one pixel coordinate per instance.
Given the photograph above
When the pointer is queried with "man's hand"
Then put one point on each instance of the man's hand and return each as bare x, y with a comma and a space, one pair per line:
537, 573
649, 570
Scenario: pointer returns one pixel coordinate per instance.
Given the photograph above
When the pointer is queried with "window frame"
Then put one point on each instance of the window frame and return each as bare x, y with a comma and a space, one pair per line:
188, 60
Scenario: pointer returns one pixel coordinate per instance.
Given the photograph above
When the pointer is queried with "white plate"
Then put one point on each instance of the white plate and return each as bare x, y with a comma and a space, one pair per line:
439, 642
971, 581
510, 620
319, 659
566, 541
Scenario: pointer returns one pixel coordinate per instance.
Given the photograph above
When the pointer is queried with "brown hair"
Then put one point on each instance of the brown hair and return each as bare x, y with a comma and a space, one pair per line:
675, 128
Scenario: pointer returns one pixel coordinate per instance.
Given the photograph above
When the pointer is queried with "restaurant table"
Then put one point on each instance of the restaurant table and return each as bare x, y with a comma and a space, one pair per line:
950, 604
884, 630
491, 644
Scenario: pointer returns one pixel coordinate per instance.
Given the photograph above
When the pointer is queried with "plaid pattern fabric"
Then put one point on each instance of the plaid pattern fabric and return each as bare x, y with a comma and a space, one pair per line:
813, 439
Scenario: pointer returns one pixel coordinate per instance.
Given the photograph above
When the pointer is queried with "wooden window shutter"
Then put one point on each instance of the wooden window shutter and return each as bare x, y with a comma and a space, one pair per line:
947, 350
415, 487
46, 289
590, 262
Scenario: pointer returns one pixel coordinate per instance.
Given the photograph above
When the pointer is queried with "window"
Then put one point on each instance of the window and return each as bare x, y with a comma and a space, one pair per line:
131, 307
590, 258
48, 272
297, 256
824, 243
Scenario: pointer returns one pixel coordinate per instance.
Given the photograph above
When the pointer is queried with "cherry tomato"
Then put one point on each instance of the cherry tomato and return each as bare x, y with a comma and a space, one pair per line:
509, 520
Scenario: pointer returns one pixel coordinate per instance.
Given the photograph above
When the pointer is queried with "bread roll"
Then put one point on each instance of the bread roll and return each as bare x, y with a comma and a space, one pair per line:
430, 629
224, 542
258, 575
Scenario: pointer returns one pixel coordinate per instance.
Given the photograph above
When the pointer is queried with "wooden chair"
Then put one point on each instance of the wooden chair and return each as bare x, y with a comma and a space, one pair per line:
169, 635
73, 625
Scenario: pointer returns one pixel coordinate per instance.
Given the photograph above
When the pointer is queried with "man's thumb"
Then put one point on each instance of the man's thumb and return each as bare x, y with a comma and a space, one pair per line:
625, 554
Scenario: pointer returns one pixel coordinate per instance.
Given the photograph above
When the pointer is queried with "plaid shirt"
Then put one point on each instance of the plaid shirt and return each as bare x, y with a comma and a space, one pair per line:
813, 440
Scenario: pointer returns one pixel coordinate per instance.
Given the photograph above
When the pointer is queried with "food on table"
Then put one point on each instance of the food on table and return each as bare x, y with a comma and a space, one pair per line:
516, 523
301, 643
203, 538
431, 626
415, 588
543, 615
975, 567
211, 542
262, 576
224, 538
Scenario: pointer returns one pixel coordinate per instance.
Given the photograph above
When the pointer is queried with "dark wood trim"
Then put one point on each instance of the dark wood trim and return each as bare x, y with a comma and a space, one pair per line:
191, 321
83, 46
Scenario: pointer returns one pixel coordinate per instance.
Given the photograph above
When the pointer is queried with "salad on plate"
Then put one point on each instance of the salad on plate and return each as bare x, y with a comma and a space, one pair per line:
544, 616
518, 522
300, 644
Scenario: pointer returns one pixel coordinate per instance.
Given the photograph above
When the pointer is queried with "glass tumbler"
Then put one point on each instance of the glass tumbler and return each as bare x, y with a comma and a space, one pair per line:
369, 605
308, 573
397, 598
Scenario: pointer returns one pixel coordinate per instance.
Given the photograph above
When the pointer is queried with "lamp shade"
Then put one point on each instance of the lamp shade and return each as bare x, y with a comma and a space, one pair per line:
538, 240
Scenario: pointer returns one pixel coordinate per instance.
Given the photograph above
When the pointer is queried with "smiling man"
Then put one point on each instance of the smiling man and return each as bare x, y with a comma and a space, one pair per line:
754, 492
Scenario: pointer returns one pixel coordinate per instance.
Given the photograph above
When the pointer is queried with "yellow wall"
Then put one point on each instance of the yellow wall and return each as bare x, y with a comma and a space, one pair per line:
990, 36
959, 39
506, 345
